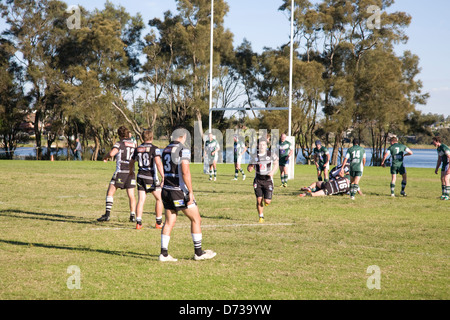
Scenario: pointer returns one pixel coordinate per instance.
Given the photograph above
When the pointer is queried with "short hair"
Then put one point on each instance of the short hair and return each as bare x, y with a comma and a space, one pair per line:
123, 132
394, 139
437, 139
356, 141
178, 131
147, 135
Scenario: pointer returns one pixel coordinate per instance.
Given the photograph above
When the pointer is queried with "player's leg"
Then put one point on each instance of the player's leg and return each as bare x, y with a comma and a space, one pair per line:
356, 184
140, 208
215, 168
193, 214
109, 202
326, 174
158, 208
260, 208
445, 180
404, 181
171, 218
393, 181
211, 170
319, 174
132, 203
236, 170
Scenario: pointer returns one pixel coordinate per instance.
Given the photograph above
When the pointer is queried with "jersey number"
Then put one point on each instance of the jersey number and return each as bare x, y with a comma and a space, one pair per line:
167, 165
144, 160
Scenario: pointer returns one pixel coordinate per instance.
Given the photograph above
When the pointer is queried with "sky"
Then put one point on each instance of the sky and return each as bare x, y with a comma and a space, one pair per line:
260, 22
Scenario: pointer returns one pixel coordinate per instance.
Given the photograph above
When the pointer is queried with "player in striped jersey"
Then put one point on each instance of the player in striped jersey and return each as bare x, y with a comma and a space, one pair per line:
122, 179
148, 157
265, 164
178, 195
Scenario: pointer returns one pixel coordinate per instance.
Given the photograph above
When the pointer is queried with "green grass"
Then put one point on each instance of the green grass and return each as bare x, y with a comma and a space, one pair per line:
308, 248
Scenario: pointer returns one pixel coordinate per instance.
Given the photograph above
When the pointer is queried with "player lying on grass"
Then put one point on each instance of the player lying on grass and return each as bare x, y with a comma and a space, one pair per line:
336, 185
148, 157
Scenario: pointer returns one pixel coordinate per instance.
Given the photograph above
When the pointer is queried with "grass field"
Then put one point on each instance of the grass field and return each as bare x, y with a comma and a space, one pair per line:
313, 248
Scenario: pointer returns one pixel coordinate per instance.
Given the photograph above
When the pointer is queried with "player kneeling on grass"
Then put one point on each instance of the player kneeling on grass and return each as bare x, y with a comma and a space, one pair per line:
148, 157
265, 164
337, 185
122, 179
444, 159
178, 195
398, 152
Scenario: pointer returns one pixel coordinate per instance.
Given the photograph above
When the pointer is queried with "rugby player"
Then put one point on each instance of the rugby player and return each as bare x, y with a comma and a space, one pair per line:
398, 152
178, 195
337, 185
239, 150
356, 157
285, 152
148, 157
444, 159
212, 155
265, 164
121, 179
322, 161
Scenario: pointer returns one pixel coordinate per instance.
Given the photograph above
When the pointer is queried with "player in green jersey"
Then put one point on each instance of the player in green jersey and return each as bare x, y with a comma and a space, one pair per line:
285, 152
398, 152
356, 157
322, 161
212, 155
444, 159
239, 150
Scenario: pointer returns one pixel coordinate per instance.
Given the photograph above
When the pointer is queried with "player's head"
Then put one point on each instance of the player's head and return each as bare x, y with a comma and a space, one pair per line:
179, 134
123, 133
283, 137
356, 142
436, 141
262, 145
211, 136
394, 140
318, 143
147, 136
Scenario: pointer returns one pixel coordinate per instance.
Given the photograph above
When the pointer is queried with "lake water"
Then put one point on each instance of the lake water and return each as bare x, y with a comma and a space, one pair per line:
422, 158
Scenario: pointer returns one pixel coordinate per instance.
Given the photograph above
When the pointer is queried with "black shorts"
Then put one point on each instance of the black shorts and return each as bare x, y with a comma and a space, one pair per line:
263, 188
175, 200
148, 185
122, 180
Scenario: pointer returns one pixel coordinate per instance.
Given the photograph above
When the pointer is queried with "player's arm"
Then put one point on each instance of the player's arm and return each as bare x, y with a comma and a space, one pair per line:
160, 168
111, 154
364, 160
386, 154
186, 173
275, 168
408, 152
344, 163
245, 150
439, 161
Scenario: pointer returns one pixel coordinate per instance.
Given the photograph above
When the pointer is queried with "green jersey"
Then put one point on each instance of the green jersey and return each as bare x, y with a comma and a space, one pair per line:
355, 156
443, 152
321, 155
285, 148
210, 147
397, 152
238, 146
